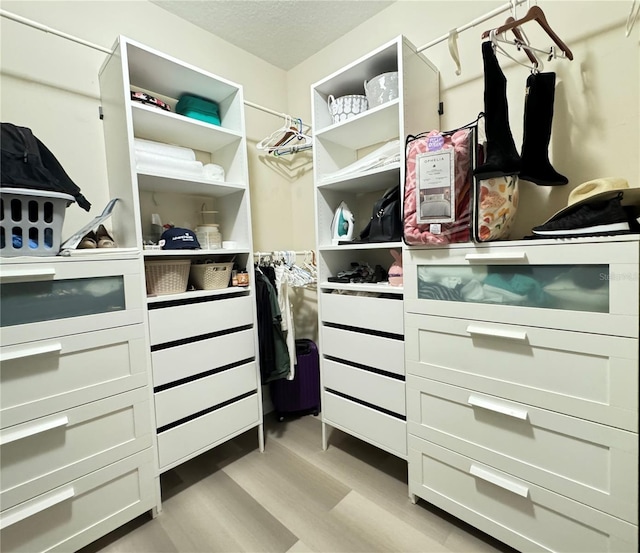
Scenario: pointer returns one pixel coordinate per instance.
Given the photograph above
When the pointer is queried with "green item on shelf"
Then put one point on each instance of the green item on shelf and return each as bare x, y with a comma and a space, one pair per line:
198, 108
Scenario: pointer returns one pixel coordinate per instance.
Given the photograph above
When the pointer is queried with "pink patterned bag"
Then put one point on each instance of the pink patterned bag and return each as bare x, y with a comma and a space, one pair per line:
436, 211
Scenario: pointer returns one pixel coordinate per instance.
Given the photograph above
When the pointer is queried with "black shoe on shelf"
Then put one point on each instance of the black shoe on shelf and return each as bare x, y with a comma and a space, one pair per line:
597, 218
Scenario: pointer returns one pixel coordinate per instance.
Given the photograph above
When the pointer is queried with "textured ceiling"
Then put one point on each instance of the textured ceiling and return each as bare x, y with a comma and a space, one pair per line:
281, 32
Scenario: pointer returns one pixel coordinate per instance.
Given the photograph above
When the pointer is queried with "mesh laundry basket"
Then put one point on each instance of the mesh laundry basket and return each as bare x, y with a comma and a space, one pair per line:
31, 221
169, 276
211, 276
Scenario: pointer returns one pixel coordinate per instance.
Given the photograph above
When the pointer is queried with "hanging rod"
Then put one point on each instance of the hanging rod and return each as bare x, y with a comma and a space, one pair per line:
497, 11
34, 24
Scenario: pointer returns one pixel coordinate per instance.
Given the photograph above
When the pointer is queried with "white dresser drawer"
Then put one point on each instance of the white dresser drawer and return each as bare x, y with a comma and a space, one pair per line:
379, 314
75, 514
536, 445
45, 453
521, 514
582, 285
49, 376
178, 362
186, 440
197, 319
376, 389
198, 395
590, 376
47, 299
379, 352
377, 428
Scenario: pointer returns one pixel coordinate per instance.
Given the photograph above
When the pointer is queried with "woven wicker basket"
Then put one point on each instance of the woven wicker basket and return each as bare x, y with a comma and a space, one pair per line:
166, 276
211, 276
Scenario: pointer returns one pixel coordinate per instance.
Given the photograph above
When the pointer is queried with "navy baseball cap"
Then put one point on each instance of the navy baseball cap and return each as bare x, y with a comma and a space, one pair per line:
179, 239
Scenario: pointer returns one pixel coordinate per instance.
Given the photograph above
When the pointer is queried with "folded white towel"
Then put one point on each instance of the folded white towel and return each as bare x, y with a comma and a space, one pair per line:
167, 165
169, 150
213, 172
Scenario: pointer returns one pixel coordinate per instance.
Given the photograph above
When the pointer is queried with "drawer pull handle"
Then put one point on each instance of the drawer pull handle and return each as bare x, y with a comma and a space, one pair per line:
21, 274
485, 403
30, 352
35, 508
10, 435
499, 481
515, 256
521, 336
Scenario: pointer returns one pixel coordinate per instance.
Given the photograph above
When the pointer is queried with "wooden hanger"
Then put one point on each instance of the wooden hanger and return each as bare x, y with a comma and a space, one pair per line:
534, 13
516, 32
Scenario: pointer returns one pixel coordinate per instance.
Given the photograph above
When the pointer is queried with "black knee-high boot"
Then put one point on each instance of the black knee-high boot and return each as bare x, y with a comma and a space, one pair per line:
501, 157
538, 116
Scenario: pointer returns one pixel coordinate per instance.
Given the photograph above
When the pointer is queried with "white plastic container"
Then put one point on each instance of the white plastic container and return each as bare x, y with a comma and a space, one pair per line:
345, 107
209, 236
381, 89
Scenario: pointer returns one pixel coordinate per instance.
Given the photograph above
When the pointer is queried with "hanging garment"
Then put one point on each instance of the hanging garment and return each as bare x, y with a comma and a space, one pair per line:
286, 309
271, 338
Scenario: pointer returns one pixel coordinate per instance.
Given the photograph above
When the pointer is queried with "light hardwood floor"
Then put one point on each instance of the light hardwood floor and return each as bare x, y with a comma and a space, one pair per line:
293, 498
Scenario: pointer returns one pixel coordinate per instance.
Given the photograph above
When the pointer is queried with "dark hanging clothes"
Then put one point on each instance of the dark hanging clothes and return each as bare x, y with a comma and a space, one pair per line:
270, 273
274, 355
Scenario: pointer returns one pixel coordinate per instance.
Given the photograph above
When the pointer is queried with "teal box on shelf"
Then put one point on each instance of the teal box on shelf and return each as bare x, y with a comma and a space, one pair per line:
198, 108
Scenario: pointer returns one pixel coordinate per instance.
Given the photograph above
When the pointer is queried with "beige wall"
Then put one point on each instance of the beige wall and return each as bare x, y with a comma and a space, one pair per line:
595, 130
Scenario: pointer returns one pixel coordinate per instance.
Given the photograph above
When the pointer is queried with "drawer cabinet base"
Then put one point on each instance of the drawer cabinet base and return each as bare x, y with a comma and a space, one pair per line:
525, 516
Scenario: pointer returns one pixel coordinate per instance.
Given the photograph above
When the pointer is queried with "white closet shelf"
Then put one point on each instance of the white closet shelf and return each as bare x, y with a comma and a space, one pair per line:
373, 126
381, 287
359, 246
171, 128
192, 253
367, 181
157, 182
191, 294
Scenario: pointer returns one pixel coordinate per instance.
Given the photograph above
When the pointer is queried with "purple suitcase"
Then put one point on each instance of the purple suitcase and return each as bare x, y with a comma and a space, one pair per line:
302, 394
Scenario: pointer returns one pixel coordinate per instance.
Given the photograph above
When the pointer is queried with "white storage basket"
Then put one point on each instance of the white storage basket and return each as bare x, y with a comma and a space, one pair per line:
169, 276
346, 107
31, 221
211, 276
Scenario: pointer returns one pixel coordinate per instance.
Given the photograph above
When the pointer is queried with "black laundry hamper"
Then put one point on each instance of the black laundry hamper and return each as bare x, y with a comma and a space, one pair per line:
302, 394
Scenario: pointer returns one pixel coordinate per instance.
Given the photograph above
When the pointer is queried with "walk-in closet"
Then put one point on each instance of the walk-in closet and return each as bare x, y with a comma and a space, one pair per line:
329, 276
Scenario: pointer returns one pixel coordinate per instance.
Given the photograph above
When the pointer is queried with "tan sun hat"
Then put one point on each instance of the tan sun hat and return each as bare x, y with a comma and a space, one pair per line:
599, 190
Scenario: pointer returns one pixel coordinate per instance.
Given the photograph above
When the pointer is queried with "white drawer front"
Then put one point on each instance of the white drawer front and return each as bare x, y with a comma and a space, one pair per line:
381, 314
169, 324
180, 362
52, 375
72, 516
382, 391
198, 435
44, 300
514, 511
585, 287
187, 399
382, 430
382, 353
45, 453
588, 376
537, 445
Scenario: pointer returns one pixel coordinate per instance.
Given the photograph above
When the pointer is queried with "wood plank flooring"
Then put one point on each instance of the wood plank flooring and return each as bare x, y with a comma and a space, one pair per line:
293, 498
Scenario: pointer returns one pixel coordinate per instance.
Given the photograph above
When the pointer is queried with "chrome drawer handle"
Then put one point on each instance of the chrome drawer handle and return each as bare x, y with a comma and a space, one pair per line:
30, 352
22, 274
35, 508
499, 481
12, 435
486, 403
515, 256
521, 336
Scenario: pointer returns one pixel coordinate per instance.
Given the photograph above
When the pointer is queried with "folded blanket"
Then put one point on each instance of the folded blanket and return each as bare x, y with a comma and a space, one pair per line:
168, 150
167, 165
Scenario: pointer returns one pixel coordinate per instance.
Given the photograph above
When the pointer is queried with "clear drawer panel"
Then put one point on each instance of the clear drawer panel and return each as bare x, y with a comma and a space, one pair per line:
569, 287
47, 300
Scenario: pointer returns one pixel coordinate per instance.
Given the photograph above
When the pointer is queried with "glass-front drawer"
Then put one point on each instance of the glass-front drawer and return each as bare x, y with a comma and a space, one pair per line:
582, 286
56, 298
